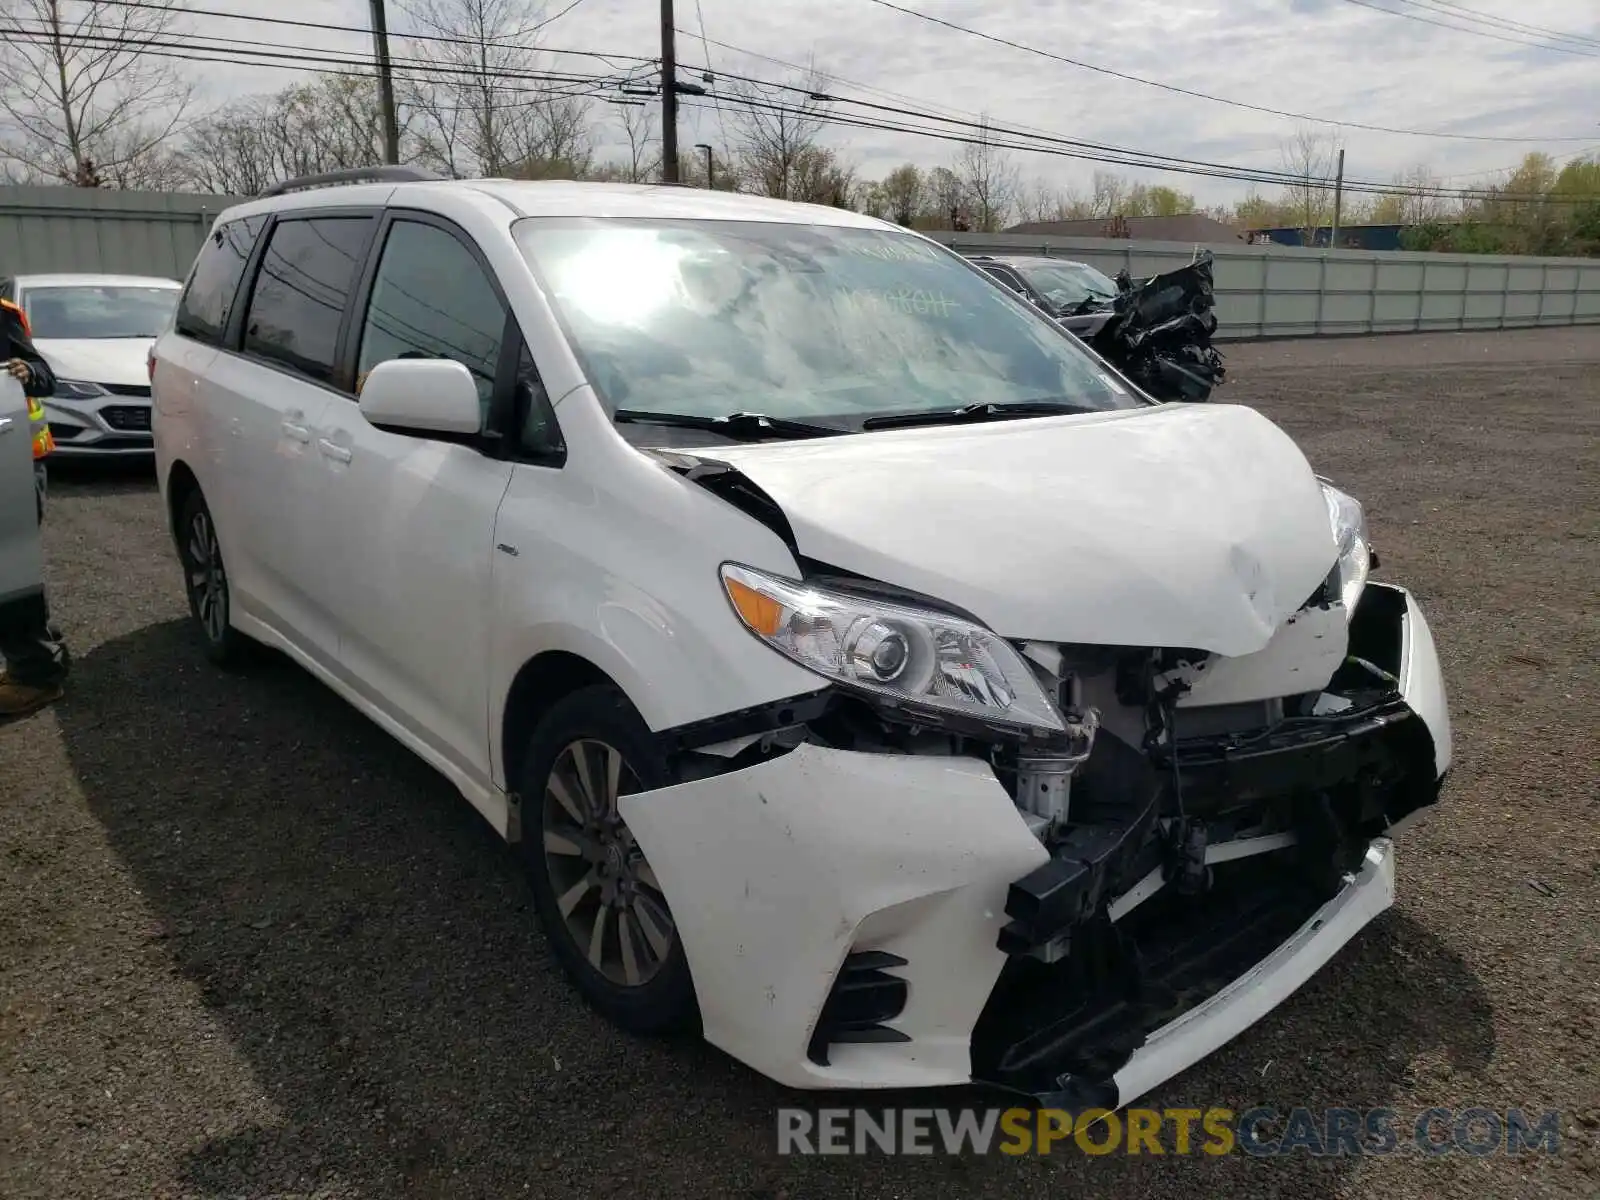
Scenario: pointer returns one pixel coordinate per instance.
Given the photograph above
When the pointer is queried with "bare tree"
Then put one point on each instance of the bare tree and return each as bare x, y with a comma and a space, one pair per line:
989, 178
1309, 157
943, 196
1040, 200
821, 176
638, 123
328, 124
481, 107
1108, 194
902, 192
773, 136
1419, 199
83, 103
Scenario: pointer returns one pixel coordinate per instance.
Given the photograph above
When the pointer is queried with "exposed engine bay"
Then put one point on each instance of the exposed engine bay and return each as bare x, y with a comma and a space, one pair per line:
1195, 816
1185, 840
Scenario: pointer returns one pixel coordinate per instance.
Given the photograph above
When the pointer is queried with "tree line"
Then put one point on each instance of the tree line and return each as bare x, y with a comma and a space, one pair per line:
84, 101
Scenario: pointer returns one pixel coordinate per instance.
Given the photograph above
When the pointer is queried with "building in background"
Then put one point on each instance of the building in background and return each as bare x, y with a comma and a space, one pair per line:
1351, 237
1184, 227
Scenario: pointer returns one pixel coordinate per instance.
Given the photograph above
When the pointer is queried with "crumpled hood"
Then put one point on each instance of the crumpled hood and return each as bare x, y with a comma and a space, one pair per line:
1185, 525
98, 360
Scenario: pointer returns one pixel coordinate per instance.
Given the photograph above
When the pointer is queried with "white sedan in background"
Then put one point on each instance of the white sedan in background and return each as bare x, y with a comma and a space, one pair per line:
96, 331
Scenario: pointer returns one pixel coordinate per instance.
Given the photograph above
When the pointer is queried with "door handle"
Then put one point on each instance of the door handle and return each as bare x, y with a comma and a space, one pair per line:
333, 450
298, 432
5, 424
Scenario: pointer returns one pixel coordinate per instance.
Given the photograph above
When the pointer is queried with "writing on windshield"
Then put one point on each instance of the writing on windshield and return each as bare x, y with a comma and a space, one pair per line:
796, 321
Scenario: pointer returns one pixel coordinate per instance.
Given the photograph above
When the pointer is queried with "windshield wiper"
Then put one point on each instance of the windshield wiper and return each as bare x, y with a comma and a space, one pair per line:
977, 412
739, 426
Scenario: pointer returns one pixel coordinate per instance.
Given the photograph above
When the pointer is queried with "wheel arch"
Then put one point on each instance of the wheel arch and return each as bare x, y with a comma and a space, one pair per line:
539, 684
181, 484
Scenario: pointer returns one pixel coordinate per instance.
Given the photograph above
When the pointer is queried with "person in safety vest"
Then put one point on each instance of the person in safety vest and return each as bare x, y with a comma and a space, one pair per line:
35, 654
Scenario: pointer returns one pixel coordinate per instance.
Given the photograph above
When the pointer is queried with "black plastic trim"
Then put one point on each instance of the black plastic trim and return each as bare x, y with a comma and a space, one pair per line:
864, 995
1060, 1031
1085, 868
762, 718
381, 174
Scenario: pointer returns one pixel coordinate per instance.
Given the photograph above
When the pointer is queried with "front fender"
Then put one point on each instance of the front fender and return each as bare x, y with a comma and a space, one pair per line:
630, 582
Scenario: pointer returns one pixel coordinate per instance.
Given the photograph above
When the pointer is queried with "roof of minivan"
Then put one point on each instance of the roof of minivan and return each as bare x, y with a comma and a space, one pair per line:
562, 198
87, 280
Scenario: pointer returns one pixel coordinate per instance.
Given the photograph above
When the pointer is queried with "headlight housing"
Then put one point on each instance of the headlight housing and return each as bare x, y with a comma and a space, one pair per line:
78, 389
931, 662
1349, 524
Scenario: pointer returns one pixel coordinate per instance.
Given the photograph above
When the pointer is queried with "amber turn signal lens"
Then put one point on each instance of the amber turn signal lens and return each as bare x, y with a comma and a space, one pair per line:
762, 613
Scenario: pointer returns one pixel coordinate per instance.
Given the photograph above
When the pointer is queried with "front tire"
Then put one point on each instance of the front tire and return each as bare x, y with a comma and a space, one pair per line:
205, 583
598, 899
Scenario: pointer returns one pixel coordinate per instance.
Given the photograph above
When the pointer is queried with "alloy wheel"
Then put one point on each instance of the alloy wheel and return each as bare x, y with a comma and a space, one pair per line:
606, 892
208, 582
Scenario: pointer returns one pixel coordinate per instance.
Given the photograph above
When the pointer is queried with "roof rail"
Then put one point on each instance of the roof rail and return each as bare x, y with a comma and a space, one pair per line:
352, 175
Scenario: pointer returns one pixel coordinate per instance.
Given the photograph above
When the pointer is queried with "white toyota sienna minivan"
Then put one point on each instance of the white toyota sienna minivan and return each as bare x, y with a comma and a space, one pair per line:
868, 674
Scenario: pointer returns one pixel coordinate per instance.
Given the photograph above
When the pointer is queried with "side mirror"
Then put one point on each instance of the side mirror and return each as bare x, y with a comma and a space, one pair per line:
421, 395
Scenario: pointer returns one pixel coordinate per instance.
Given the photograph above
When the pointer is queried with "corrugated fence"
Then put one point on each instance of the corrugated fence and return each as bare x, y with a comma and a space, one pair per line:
1262, 291
92, 229
1283, 291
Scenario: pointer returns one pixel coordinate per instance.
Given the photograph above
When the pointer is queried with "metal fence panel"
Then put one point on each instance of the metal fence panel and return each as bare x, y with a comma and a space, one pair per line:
1262, 291
1284, 291
46, 229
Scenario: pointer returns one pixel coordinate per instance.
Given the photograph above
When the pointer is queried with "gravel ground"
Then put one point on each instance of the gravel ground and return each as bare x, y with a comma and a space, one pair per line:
250, 947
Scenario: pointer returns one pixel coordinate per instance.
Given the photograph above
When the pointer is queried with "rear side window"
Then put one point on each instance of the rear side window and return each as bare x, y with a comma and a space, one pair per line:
306, 276
208, 298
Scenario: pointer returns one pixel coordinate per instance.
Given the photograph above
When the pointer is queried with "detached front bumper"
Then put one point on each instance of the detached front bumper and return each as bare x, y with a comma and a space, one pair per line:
842, 913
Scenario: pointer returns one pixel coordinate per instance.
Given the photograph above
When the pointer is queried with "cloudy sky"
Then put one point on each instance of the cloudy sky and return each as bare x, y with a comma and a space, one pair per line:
1334, 60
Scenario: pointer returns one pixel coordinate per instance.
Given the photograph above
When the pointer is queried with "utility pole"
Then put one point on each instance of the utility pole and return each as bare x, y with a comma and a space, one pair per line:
1338, 201
380, 46
669, 95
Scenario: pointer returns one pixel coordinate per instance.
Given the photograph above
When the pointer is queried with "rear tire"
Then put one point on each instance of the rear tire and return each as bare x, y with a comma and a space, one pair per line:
205, 583
597, 897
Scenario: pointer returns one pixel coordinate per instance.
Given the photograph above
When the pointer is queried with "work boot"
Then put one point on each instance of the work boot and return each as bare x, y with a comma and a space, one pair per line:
20, 699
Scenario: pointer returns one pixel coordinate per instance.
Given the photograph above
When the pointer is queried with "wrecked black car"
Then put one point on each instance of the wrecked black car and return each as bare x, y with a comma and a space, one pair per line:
1156, 331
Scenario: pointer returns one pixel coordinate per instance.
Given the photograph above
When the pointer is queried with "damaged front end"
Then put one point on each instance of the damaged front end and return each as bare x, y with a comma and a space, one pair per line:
1067, 870
1201, 840
1159, 331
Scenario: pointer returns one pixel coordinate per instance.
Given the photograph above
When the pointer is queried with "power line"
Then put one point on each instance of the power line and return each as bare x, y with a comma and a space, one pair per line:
1561, 162
319, 63
557, 17
328, 27
1481, 17
1218, 172
1483, 33
705, 45
916, 104
1093, 151
592, 85
1183, 91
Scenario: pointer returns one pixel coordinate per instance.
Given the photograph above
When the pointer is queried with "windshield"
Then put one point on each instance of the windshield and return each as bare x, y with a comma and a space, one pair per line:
804, 322
99, 311
1065, 284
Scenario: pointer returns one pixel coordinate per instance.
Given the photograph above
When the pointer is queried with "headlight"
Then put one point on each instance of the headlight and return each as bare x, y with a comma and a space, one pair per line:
924, 660
1349, 523
78, 389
